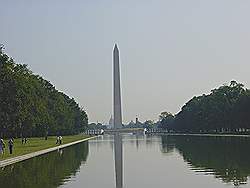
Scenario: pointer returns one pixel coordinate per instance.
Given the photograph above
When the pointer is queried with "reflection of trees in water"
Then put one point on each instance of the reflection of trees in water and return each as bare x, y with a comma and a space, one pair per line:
48, 170
167, 144
227, 157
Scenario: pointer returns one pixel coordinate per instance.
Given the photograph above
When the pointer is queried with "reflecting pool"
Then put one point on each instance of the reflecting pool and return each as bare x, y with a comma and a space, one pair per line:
138, 161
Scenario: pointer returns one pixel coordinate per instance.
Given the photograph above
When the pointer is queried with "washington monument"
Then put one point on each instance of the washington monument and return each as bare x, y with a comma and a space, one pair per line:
117, 120
117, 90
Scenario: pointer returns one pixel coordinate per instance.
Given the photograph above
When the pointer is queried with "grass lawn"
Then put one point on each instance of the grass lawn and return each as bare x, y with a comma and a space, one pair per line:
36, 144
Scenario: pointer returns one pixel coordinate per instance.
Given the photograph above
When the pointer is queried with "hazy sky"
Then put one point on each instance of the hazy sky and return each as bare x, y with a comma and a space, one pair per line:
170, 50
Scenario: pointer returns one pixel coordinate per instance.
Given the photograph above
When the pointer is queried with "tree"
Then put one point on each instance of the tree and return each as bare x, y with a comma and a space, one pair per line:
166, 120
31, 106
149, 124
224, 109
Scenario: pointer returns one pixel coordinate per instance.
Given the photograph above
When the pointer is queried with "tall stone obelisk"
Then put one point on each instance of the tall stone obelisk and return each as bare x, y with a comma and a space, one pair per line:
117, 120
117, 90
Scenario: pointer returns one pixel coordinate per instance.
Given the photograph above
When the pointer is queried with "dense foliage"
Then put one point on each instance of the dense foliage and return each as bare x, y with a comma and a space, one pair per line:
226, 109
166, 119
31, 106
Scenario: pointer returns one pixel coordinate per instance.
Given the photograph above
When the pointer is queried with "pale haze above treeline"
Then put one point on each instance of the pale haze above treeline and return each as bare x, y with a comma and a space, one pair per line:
170, 51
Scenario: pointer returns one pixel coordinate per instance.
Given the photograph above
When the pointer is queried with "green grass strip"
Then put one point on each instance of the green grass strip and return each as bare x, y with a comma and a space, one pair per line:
36, 144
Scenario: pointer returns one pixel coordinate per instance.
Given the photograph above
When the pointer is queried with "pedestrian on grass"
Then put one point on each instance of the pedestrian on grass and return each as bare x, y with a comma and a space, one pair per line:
57, 139
2, 146
11, 144
60, 140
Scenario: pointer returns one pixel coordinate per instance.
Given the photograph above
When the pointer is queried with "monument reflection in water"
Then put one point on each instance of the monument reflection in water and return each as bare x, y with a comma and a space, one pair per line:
118, 160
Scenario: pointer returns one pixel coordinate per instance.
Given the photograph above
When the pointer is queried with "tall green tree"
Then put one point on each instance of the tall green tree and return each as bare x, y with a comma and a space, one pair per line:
166, 120
31, 106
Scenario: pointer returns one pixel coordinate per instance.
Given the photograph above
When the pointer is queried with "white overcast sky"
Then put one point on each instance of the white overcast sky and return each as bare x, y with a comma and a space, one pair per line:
170, 50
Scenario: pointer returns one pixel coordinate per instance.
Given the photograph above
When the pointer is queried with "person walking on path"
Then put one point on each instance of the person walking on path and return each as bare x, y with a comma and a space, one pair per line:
2, 146
60, 140
11, 144
57, 140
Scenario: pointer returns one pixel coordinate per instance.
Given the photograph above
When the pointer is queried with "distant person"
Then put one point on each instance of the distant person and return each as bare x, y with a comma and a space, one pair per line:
46, 135
2, 146
60, 140
57, 139
24, 140
11, 144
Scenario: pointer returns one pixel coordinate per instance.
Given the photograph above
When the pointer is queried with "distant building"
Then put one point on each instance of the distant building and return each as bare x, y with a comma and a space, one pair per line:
138, 124
136, 120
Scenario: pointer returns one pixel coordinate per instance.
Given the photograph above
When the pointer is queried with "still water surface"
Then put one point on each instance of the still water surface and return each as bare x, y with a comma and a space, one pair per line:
142, 162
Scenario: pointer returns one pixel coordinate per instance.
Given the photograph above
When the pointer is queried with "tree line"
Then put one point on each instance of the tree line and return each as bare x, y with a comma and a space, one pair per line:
32, 106
225, 109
